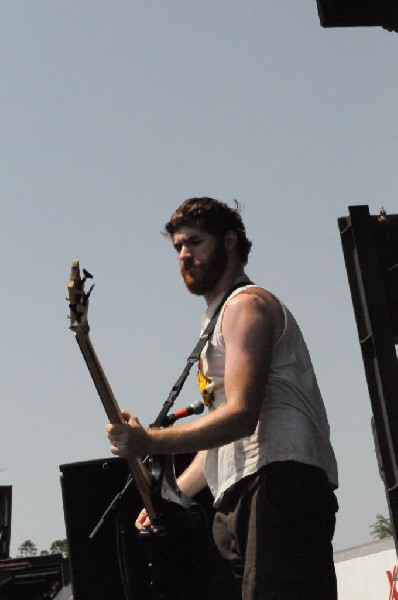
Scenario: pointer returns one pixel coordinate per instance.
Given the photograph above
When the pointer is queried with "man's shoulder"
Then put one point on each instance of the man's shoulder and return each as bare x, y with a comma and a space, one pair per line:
254, 298
254, 294
260, 302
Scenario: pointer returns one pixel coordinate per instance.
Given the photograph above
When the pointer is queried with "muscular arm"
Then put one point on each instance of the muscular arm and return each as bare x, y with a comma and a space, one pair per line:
251, 323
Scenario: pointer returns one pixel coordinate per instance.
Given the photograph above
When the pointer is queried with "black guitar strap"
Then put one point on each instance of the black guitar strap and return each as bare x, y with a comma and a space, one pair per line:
195, 354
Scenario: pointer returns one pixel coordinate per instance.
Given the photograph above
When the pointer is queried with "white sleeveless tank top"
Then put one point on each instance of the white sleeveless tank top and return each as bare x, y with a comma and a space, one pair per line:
292, 425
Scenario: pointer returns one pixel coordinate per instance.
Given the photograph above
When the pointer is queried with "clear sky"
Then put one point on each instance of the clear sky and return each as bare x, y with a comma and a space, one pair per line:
111, 114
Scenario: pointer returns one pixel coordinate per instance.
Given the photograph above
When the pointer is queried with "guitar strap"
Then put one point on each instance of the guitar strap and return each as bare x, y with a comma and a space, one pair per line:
196, 352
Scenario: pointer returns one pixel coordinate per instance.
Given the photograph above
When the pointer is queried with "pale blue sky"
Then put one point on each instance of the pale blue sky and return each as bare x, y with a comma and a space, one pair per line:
114, 112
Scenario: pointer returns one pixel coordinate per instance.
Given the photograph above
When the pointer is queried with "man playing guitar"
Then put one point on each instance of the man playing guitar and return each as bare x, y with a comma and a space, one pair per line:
263, 447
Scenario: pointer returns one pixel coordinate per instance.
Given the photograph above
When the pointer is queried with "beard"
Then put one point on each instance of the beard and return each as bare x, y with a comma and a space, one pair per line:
200, 278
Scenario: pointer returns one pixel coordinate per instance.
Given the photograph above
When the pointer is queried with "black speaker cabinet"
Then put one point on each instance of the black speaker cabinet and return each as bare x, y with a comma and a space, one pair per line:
5, 520
115, 564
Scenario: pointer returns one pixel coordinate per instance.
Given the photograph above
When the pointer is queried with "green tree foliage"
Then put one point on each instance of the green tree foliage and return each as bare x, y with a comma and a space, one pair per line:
27, 548
382, 528
59, 547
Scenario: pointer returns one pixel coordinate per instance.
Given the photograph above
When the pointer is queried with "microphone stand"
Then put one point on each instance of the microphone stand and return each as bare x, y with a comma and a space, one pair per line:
111, 508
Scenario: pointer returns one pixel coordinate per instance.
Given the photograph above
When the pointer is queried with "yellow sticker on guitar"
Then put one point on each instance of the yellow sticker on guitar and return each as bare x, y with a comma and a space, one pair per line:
203, 382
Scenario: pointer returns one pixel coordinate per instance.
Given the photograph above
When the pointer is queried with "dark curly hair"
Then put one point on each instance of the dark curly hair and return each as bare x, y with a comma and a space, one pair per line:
215, 217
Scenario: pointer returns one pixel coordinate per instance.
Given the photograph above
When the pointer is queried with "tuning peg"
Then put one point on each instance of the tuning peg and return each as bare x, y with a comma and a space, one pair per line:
90, 290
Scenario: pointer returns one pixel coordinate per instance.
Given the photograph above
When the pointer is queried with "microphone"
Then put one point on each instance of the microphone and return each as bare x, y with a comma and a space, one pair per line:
196, 408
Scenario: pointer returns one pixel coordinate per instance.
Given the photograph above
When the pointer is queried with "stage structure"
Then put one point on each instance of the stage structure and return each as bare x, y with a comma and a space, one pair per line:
34, 578
370, 247
31, 577
5, 520
358, 13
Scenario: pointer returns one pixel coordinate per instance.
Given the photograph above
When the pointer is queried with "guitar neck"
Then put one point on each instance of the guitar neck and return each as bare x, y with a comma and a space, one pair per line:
142, 477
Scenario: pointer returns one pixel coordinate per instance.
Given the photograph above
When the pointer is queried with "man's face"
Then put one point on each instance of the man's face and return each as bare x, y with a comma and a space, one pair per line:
202, 258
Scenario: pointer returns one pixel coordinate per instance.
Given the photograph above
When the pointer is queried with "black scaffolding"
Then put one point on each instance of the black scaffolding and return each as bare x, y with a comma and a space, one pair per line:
370, 247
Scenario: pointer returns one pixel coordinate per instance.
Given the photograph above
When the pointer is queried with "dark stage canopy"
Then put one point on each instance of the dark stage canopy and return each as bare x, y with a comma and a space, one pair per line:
358, 13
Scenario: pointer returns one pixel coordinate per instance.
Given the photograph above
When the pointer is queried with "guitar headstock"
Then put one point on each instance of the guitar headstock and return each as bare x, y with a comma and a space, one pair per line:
78, 299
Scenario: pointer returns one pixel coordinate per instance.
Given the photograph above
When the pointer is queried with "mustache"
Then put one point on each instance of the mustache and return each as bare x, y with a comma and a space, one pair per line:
190, 263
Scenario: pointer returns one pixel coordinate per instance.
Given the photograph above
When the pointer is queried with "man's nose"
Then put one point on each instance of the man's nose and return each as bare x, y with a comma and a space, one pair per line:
185, 253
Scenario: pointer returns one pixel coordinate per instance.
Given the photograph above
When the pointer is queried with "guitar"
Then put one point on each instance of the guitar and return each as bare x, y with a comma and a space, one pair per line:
154, 486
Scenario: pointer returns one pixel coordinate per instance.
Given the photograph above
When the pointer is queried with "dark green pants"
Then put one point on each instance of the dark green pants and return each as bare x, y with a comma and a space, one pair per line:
275, 528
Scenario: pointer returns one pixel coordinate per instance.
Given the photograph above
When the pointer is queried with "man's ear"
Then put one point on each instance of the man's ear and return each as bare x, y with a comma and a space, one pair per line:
230, 240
